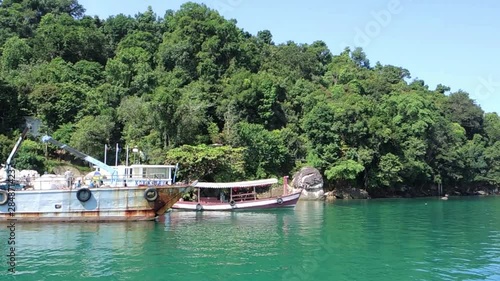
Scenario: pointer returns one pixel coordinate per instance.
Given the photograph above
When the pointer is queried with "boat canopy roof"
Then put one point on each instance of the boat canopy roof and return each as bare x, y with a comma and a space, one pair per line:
236, 184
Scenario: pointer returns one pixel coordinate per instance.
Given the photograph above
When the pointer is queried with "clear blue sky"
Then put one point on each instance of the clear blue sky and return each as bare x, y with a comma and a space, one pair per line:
454, 43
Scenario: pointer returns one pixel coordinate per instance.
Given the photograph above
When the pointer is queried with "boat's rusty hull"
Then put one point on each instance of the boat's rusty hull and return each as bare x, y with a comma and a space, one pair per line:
105, 204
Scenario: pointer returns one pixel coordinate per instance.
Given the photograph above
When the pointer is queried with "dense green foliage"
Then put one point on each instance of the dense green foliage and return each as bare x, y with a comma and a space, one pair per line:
175, 84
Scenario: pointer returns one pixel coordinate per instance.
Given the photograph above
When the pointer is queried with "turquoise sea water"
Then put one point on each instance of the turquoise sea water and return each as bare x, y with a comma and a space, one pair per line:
400, 239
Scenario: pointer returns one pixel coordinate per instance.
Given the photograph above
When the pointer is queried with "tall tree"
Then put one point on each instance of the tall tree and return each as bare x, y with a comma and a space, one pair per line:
463, 110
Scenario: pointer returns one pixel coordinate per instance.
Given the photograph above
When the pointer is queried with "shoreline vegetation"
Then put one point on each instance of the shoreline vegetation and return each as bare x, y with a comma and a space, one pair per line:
357, 193
193, 88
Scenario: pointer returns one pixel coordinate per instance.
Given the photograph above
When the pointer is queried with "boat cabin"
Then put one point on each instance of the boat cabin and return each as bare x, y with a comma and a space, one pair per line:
230, 191
139, 174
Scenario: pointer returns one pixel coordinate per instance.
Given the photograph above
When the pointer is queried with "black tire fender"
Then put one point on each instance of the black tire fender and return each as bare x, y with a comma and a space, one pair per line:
83, 194
151, 194
5, 197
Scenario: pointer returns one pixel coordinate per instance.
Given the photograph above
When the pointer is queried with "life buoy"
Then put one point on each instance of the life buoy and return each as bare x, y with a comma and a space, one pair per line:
151, 194
5, 197
83, 194
199, 207
232, 203
280, 201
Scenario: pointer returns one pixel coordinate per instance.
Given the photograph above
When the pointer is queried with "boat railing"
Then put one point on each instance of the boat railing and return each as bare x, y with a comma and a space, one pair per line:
211, 200
245, 196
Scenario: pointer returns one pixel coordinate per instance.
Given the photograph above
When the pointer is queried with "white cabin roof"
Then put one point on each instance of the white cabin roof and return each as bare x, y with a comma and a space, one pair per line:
236, 184
140, 165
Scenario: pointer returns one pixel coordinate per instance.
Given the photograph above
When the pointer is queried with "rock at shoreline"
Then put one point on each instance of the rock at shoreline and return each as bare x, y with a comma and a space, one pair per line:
308, 178
476, 191
350, 193
330, 197
311, 181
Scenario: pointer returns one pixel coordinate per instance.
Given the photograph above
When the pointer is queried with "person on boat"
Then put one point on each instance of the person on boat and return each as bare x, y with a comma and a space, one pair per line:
124, 183
69, 178
78, 184
91, 185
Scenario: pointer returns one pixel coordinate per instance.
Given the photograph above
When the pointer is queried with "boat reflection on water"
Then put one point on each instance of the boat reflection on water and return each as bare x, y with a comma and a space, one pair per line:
257, 219
88, 249
238, 230
310, 214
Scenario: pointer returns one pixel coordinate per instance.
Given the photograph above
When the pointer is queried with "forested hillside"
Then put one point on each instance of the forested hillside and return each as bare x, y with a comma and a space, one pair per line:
175, 84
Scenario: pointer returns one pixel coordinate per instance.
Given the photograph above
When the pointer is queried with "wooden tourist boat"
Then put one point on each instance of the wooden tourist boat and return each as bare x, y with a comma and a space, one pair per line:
237, 201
